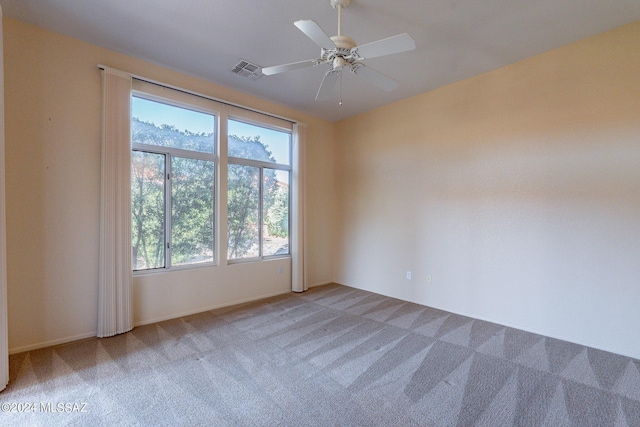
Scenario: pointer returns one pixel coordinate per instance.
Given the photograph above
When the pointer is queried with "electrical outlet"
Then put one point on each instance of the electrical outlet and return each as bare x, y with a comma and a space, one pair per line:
408, 275
279, 269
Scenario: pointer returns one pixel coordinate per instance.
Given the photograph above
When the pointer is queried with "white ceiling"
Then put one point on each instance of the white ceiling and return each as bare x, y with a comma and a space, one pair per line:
455, 39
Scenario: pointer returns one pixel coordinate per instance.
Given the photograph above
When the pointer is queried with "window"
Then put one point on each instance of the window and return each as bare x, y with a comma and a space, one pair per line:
172, 184
147, 206
258, 192
178, 220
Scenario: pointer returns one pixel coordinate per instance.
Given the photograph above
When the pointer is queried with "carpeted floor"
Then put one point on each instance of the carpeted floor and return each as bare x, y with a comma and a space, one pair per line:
333, 356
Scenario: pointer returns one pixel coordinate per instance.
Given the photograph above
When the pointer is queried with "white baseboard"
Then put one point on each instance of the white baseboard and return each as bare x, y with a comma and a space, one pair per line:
66, 340
51, 343
320, 284
513, 325
202, 310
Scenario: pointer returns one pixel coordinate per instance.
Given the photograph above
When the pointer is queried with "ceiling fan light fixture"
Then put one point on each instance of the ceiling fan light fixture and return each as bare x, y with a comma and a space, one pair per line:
339, 63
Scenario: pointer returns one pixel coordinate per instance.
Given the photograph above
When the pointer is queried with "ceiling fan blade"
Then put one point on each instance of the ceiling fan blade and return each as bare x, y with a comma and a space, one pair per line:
315, 33
328, 85
396, 44
276, 69
374, 77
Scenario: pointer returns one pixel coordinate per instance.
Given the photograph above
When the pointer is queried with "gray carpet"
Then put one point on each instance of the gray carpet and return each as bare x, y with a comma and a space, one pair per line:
333, 356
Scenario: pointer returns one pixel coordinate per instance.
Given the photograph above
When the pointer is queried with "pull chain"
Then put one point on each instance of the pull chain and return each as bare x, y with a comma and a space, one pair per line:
340, 103
339, 19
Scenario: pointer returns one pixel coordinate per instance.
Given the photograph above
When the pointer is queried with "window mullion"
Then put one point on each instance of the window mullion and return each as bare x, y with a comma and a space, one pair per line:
167, 210
174, 152
258, 163
260, 212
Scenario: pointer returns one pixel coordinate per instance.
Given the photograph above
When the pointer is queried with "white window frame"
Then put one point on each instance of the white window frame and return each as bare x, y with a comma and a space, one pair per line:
252, 118
155, 93
223, 111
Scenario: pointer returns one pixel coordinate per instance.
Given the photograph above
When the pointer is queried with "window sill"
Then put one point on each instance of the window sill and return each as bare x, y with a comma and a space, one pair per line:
172, 269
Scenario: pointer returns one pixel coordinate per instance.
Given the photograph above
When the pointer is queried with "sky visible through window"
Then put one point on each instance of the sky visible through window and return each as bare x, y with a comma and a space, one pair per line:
194, 121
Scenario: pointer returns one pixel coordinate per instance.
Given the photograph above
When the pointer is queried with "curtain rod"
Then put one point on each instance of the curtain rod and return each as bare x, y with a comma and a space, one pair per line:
210, 98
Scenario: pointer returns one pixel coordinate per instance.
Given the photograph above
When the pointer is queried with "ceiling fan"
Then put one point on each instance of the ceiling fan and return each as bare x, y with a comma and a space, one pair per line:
341, 52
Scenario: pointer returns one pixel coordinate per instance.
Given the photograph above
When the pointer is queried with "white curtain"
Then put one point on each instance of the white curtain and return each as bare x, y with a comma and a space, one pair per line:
4, 328
298, 276
115, 308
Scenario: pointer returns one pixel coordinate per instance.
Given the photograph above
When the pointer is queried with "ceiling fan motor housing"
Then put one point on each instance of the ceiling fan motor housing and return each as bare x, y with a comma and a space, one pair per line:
343, 42
342, 55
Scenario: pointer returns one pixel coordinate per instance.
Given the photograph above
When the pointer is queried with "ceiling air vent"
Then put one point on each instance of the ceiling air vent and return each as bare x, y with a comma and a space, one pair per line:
247, 69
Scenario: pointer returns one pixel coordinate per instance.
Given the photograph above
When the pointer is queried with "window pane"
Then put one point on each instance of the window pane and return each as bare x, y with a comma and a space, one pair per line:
275, 234
243, 211
258, 143
147, 205
192, 188
165, 125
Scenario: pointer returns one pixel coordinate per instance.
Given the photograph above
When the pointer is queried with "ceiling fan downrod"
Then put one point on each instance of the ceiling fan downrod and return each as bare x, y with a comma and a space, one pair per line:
339, 5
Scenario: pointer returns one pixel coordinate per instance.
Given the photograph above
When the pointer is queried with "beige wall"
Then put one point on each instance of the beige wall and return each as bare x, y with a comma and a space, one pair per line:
517, 191
53, 113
